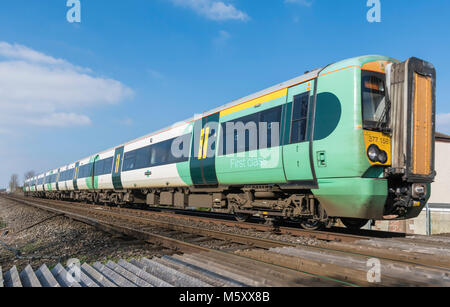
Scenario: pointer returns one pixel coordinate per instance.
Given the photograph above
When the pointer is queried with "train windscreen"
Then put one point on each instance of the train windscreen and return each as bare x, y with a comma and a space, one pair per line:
373, 99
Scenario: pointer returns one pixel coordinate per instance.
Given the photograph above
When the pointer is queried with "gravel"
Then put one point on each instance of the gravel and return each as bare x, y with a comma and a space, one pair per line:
59, 239
238, 230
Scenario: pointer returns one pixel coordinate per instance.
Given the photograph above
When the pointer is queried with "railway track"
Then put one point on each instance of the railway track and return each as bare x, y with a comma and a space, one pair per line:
339, 259
194, 246
335, 234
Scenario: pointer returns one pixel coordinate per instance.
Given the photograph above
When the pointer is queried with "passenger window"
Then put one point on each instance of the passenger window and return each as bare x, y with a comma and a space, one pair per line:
98, 167
160, 154
143, 158
129, 161
242, 143
271, 117
300, 118
107, 168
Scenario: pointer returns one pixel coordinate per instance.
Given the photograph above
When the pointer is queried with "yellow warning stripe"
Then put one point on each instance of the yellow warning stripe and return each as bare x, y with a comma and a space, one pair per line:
254, 102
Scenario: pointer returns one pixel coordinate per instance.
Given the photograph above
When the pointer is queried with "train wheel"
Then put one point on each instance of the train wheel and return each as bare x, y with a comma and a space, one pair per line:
242, 217
311, 224
354, 224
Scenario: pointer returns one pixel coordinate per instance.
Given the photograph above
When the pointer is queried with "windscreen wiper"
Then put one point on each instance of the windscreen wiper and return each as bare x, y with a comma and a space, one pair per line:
382, 121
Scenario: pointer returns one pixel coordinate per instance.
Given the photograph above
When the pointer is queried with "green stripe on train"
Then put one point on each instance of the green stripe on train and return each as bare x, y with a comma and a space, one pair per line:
92, 185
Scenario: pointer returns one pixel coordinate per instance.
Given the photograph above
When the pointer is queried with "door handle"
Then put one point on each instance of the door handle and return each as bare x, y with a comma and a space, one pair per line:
321, 159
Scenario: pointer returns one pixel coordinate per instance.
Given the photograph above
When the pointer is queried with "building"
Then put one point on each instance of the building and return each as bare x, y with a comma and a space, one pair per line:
441, 187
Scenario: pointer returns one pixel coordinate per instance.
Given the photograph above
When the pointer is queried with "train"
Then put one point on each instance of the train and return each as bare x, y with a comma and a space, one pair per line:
353, 140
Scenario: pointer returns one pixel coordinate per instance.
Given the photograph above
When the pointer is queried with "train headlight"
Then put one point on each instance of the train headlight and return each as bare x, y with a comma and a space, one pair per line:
373, 152
383, 157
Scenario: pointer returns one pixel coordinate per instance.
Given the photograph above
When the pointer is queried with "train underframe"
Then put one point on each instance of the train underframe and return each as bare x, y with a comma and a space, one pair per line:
269, 202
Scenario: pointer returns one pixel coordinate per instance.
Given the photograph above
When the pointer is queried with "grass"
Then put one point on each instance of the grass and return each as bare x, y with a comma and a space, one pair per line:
83, 259
30, 247
116, 259
113, 259
2, 224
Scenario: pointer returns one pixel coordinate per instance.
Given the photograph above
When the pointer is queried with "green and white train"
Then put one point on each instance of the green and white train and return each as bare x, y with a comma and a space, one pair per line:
353, 140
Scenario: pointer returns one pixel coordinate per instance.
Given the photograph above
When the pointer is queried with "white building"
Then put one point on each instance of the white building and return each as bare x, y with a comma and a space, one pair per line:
440, 189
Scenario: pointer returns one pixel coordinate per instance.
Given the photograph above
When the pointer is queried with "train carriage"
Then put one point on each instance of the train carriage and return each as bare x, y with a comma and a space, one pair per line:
352, 140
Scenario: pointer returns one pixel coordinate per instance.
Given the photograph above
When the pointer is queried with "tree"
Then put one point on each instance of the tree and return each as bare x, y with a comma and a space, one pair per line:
29, 175
14, 183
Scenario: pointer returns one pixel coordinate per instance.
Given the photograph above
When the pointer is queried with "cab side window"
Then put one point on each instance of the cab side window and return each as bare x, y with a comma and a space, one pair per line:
299, 125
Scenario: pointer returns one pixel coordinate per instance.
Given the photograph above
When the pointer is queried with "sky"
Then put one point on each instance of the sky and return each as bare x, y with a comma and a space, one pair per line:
69, 90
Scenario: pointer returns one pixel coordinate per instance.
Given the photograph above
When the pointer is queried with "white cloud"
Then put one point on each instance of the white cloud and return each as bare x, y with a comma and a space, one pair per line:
301, 2
213, 9
19, 52
443, 122
37, 89
60, 120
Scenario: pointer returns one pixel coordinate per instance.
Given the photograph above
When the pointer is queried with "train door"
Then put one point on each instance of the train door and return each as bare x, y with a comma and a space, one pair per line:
75, 175
203, 152
92, 181
65, 179
296, 138
117, 168
57, 179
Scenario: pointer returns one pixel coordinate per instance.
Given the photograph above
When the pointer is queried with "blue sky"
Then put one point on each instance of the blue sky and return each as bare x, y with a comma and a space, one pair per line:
68, 90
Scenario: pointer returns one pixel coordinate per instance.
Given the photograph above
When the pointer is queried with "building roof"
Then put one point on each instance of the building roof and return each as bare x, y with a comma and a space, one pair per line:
441, 137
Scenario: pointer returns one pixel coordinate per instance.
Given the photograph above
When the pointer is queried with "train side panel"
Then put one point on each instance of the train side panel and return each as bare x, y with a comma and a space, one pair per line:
160, 161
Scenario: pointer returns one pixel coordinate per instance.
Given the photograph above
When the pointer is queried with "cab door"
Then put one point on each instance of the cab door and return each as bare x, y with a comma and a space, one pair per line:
203, 152
296, 139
